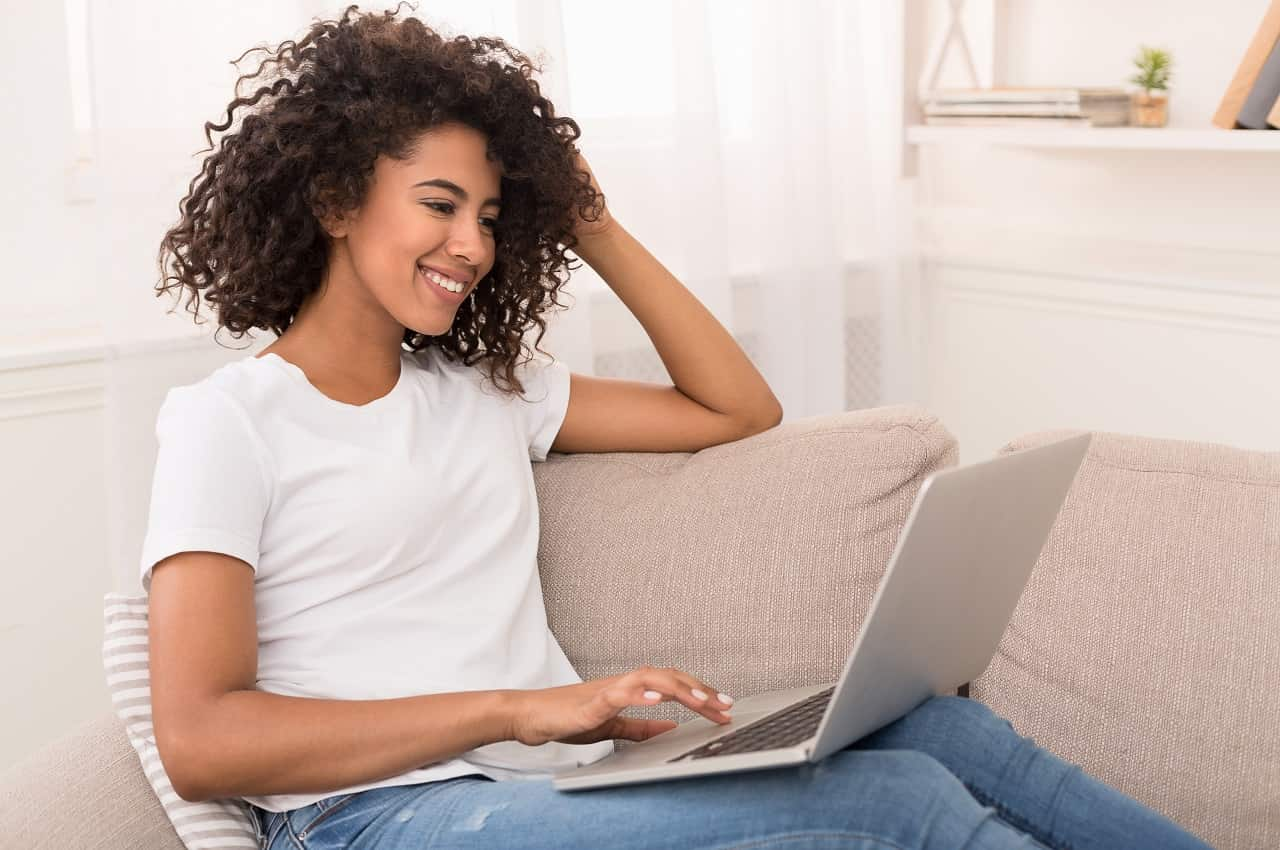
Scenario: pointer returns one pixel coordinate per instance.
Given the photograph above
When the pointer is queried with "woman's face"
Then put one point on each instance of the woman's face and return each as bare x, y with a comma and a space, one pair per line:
413, 221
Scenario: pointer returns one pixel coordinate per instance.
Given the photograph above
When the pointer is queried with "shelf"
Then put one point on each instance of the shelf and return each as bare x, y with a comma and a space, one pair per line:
1134, 138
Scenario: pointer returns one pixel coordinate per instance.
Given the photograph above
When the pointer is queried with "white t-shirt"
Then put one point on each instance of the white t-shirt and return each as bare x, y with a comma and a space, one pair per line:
394, 543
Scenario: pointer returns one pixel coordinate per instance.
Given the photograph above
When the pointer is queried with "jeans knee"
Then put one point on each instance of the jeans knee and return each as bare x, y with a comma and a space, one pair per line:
911, 769
962, 711
915, 778
954, 730
907, 793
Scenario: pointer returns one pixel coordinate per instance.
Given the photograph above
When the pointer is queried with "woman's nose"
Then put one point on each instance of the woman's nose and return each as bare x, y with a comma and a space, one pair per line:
466, 242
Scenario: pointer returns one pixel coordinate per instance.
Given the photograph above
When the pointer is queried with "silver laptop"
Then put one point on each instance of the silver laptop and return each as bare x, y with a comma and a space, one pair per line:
959, 568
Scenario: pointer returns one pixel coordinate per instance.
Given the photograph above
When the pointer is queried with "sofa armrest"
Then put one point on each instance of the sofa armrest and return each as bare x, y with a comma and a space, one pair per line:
86, 790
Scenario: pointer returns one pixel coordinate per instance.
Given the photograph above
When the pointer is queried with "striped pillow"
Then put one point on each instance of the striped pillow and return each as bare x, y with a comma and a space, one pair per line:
220, 824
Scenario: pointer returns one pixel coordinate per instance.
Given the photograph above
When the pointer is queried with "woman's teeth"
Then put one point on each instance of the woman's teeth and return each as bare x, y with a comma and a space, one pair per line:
451, 285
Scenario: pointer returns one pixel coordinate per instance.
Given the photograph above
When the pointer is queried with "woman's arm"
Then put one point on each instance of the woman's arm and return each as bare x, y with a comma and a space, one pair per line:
702, 358
253, 743
220, 737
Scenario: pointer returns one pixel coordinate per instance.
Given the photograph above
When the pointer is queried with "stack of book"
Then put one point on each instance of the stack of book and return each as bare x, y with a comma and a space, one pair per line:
1252, 100
1041, 107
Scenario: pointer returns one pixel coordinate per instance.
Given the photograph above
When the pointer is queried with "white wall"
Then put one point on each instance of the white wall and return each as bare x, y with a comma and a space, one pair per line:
56, 504
51, 549
1120, 290
46, 280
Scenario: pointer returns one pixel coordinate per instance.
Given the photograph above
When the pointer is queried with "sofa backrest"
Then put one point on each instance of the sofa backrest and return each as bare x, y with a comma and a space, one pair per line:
1146, 647
749, 564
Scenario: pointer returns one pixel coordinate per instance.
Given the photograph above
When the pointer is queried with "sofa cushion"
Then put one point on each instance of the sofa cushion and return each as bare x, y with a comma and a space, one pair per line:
750, 564
1144, 648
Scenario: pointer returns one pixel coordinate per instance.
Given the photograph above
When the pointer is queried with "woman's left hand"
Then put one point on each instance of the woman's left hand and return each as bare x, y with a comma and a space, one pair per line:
586, 229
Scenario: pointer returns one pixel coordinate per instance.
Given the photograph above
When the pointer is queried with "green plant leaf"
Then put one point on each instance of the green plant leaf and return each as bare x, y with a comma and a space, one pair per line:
1154, 68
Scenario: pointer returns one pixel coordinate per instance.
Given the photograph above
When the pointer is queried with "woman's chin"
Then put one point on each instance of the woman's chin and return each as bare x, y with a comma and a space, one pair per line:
434, 326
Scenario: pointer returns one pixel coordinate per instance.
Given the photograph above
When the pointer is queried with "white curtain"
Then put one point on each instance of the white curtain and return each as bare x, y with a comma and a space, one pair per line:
753, 147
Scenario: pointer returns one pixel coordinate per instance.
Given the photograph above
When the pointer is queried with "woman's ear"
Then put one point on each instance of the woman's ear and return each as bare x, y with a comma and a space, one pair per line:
335, 225
332, 219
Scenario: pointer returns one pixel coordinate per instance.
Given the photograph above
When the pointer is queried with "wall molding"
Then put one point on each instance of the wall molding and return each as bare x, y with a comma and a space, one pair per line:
1243, 309
62, 399
55, 349
1102, 244
61, 376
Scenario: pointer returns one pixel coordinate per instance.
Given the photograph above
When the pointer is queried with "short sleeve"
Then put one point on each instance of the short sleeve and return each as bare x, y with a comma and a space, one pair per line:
210, 491
545, 403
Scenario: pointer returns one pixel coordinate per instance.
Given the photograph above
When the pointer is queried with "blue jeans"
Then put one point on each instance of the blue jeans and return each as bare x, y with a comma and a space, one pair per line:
951, 774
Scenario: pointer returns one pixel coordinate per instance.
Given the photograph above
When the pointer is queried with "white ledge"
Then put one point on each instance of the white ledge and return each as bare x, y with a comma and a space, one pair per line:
1133, 138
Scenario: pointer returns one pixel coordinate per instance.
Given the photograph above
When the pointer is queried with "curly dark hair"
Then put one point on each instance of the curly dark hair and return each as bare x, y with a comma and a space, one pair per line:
249, 235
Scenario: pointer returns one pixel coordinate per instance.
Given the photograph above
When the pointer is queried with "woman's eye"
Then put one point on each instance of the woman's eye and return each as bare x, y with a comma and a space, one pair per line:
448, 208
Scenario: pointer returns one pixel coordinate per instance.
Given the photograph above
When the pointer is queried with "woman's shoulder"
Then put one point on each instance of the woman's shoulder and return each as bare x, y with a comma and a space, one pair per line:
234, 389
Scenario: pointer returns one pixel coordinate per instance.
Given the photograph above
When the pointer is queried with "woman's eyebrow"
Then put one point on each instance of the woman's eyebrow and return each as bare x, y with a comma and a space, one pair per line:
456, 189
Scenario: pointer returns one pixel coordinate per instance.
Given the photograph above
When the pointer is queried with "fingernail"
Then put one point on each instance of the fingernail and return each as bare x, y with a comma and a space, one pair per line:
725, 698
651, 694
697, 693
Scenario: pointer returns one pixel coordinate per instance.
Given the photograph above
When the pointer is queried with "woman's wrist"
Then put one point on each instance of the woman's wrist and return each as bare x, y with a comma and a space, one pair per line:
507, 709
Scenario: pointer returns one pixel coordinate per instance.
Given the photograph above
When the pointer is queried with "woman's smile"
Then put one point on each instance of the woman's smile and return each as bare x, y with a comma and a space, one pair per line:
440, 285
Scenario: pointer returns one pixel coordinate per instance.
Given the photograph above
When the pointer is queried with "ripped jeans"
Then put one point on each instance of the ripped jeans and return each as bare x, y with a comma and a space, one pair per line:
951, 774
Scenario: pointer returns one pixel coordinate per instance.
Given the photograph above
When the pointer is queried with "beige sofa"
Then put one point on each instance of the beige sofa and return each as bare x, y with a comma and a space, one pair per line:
1146, 648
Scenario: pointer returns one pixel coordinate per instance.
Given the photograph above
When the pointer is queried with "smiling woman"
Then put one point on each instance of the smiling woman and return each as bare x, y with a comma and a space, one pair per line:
382, 149
434, 218
407, 230
429, 195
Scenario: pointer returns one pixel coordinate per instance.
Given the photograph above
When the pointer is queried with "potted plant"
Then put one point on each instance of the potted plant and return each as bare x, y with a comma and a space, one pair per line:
1150, 107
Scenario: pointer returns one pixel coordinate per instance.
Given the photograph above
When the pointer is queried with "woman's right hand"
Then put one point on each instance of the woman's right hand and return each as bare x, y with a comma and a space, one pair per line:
588, 712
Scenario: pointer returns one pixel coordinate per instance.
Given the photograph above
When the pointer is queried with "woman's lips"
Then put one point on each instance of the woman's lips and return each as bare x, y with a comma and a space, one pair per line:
440, 291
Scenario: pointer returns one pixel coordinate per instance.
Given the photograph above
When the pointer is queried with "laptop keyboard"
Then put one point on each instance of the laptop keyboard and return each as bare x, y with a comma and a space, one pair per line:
784, 728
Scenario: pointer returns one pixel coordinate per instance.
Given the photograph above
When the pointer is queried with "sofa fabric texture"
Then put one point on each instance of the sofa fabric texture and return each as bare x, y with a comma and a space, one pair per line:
1146, 647
85, 790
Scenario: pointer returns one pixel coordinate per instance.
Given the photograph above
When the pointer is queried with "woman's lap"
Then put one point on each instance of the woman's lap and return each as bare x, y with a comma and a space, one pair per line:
857, 799
900, 787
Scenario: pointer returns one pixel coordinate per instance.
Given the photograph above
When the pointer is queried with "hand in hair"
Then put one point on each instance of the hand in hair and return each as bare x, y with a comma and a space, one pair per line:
584, 228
